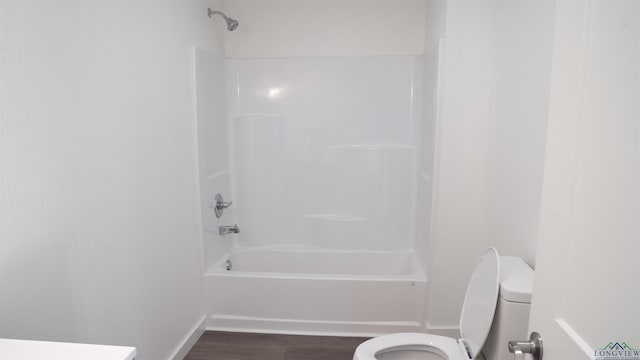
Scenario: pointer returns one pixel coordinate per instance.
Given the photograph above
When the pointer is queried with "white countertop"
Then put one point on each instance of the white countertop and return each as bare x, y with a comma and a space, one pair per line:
47, 350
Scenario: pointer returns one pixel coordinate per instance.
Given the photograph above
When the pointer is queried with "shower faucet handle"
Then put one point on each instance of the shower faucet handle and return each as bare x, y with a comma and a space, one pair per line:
219, 205
223, 204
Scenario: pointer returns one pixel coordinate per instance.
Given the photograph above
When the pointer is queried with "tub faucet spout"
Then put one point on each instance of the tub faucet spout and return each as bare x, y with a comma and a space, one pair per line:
228, 229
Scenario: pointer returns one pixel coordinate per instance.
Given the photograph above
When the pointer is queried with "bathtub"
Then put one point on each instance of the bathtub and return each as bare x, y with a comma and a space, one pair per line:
302, 291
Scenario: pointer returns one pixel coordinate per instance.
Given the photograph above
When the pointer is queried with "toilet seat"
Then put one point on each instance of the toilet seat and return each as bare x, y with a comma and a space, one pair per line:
475, 321
448, 348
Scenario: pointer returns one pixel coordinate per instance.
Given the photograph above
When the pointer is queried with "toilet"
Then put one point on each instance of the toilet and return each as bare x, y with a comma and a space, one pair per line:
500, 286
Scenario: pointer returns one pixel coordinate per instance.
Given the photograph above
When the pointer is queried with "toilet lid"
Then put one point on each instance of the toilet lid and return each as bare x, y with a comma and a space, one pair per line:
480, 302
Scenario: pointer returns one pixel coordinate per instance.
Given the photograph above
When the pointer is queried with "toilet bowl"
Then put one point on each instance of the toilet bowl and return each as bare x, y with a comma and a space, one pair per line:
410, 346
475, 322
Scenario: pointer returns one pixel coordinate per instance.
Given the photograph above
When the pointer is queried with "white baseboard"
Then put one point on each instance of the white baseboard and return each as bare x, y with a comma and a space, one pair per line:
189, 340
309, 327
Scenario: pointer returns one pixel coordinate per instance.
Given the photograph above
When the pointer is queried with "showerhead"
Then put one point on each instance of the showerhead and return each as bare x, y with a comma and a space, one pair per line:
232, 24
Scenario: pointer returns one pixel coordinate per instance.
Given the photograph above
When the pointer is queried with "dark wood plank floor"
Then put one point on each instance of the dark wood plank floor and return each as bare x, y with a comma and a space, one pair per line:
220, 345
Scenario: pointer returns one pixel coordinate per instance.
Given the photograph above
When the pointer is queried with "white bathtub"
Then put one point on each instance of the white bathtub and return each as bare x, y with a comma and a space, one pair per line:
278, 290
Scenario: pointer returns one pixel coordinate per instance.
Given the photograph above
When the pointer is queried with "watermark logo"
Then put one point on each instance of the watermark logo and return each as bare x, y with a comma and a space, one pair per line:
617, 351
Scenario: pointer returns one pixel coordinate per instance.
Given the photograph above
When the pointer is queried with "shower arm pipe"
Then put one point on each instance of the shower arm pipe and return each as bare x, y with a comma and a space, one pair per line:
217, 12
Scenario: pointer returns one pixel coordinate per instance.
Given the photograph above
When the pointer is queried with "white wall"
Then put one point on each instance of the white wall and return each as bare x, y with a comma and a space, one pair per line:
520, 104
458, 224
100, 235
325, 150
292, 28
497, 70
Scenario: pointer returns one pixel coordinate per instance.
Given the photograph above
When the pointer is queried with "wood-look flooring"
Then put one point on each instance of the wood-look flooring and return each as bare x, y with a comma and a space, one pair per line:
220, 345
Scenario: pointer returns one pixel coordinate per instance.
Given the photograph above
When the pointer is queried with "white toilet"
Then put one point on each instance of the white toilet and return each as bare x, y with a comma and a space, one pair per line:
515, 281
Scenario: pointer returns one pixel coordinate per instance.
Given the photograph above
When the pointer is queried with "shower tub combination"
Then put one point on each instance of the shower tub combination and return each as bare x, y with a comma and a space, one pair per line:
323, 160
303, 291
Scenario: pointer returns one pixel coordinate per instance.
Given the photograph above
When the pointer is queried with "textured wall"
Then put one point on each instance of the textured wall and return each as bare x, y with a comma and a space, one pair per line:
492, 142
100, 239
292, 28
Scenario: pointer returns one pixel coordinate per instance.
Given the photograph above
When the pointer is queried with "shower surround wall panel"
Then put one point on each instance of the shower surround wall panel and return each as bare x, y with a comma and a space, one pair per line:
213, 150
325, 155
324, 170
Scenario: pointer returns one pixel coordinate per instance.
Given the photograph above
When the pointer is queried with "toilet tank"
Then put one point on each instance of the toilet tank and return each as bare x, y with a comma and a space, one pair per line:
511, 320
